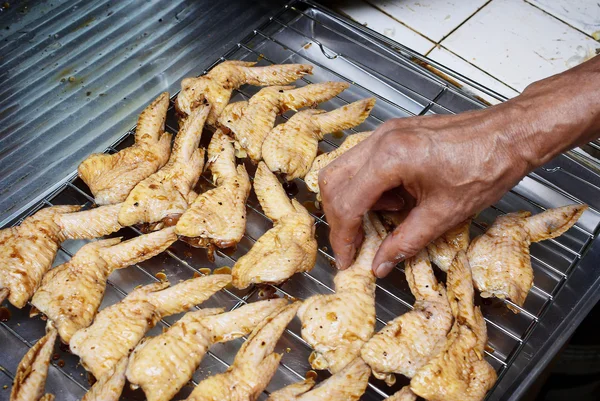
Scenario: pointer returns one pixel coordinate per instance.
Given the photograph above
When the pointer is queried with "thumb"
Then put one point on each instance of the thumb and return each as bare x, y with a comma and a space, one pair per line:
421, 226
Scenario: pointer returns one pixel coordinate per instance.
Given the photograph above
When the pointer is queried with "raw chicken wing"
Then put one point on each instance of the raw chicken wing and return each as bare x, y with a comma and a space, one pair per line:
168, 192
162, 365
410, 341
321, 161
287, 248
405, 394
71, 293
111, 177
338, 325
109, 386
215, 87
443, 250
254, 365
117, 329
500, 257
252, 120
218, 216
291, 148
348, 384
28, 250
459, 372
30, 379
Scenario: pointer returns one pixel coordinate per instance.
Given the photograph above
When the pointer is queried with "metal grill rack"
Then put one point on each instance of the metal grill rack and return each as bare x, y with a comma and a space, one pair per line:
566, 272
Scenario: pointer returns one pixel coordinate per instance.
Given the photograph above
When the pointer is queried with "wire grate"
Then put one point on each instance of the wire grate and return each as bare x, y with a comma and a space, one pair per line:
303, 32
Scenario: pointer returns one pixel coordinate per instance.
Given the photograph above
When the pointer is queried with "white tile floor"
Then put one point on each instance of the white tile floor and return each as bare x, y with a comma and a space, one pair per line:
502, 44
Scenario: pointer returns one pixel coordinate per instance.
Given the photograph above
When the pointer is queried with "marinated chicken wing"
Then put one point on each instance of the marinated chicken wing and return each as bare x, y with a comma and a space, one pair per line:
291, 148
30, 379
71, 293
458, 372
409, 341
218, 216
111, 177
215, 87
168, 192
348, 384
28, 250
500, 257
287, 248
162, 365
312, 177
109, 386
252, 121
254, 365
117, 329
338, 325
443, 250
405, 394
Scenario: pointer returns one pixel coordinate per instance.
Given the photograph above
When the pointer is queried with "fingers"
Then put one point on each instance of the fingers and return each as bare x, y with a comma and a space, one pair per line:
422, 225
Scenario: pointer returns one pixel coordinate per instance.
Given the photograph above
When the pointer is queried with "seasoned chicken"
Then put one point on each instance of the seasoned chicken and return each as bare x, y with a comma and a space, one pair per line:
71, 293
287, 248
111, 177
168, 192
30, 378
443, 249
252, 121
254, 365
459, 372
28, 250
312, 177
117, 329
218, 216
291, 148
500, 257
409, 341
215, 87
348, 384
338, 325
109, 386
405, 394
162, 365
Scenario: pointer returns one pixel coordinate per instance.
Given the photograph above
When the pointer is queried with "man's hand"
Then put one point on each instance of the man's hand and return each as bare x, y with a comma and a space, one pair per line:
448, 167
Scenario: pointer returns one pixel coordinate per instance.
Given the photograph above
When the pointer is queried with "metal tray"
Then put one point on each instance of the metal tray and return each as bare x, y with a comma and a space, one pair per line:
567, 271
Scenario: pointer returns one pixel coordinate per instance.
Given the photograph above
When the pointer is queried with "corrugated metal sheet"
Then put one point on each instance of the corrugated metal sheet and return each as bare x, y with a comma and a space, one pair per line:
74, 75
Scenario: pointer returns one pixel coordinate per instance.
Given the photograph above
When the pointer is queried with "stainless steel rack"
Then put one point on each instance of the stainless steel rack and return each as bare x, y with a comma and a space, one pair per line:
566, 269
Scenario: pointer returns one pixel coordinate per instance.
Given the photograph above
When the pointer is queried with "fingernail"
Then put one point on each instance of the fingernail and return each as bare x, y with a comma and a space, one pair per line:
384, 269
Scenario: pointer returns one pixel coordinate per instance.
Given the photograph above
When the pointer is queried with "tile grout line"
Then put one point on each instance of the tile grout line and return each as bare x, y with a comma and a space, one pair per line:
559, 19
462, 23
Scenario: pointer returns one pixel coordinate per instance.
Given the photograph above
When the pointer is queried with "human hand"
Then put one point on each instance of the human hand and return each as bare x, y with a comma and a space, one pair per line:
446, 167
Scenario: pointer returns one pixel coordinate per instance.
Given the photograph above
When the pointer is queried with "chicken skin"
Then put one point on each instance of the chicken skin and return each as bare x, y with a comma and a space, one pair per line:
252, 121
111, 177
289, 247
28, 250
117, 329
71, 293
254, 365
443, 250
405, 394
30, 378
218, 216
349, 384
458, 372
312, 177
110, 386
500, 257
291, 148
215, 87
338, 325
162, 365
409, 341
168, 192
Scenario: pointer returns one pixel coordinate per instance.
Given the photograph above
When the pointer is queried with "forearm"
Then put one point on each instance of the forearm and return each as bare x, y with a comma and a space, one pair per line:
556, 114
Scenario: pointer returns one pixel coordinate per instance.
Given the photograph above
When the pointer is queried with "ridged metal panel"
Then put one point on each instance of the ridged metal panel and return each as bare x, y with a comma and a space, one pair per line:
75, 74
